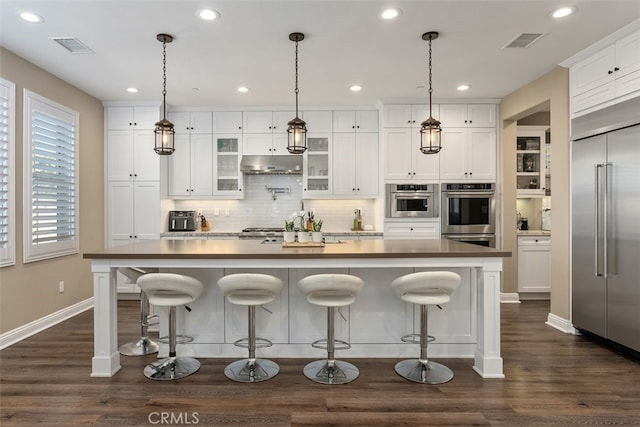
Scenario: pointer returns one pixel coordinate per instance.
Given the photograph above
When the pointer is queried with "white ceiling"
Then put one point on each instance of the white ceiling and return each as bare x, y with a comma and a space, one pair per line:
346, 42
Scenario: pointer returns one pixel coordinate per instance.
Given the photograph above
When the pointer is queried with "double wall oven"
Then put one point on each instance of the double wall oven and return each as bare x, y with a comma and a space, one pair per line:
468, 213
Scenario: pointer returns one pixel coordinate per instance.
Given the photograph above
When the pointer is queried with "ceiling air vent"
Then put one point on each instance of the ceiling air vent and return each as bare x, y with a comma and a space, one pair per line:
524, 40
72, 44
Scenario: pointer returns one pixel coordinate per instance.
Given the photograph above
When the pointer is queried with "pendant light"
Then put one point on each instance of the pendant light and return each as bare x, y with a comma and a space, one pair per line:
430, 130
297, 130
164, 131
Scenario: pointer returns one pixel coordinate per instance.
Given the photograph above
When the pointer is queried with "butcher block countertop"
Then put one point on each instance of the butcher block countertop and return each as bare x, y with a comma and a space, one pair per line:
251, 249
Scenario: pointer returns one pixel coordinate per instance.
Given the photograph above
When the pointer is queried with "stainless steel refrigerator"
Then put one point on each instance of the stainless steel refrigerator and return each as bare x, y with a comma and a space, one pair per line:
605, 180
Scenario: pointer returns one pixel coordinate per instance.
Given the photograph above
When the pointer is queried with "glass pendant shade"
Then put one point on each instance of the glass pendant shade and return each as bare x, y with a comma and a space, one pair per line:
297, 136
165, 140
430, 133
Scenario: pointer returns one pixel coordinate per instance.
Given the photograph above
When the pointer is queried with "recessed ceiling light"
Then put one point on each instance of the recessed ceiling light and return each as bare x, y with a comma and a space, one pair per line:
132, 90
209, 14
355, 88
390, 13
563, 11
243, 89
31, 17
463, 87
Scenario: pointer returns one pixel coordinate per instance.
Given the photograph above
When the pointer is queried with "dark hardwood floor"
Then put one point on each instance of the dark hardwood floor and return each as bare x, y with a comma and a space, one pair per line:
552, 379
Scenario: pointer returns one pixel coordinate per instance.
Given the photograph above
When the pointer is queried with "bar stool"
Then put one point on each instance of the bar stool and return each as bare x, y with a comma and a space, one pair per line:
251, 289
171, 290
144, 345
331, 291
424, 288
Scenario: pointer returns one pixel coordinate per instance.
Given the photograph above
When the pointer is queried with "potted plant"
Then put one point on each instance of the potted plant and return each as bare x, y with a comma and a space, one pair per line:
317, 231
304, 234
289, 234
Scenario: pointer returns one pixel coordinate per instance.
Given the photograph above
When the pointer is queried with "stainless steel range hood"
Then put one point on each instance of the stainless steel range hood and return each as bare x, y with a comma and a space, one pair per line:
290, 164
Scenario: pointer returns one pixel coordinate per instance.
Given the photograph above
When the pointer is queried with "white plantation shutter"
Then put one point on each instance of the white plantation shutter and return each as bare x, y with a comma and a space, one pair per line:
51, 220
7, 168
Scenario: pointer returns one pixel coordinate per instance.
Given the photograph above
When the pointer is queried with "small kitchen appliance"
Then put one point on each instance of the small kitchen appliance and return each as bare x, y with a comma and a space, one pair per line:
412, 200
182, 220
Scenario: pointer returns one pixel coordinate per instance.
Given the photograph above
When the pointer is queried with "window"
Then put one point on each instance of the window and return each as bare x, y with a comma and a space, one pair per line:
7, 168
51, 188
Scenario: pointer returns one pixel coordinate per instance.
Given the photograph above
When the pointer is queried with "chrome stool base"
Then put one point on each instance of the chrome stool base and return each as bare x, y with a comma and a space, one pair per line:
142, 347
180, 339
331, 372
425, 372
171, 368
251, 370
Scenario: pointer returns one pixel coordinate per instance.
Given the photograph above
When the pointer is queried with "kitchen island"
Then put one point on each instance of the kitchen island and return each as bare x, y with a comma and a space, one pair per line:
467, 327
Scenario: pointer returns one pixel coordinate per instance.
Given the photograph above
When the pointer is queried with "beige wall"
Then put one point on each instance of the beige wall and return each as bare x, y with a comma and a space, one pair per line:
30, 291
551, 89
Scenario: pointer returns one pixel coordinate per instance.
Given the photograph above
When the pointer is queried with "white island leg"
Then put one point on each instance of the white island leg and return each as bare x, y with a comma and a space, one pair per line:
488, 362
106, 358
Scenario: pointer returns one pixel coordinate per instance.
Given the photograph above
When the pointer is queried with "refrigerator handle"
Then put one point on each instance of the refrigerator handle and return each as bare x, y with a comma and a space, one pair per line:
596, 258
605, 223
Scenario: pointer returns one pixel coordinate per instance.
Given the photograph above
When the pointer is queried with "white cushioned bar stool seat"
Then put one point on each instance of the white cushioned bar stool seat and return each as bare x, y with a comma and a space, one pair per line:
424, 288
171, 290
331, 291
251, 289
144, 345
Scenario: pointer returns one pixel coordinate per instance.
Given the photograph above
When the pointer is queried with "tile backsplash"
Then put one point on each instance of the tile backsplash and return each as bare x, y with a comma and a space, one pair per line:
259, 208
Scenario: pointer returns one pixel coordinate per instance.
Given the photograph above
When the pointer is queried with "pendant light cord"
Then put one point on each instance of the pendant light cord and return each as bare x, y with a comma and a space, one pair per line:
296, 90
430, 88
164, 79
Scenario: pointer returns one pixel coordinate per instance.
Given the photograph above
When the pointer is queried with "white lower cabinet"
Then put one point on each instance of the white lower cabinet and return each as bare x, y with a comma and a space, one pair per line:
534, 264
412, 229
133, 212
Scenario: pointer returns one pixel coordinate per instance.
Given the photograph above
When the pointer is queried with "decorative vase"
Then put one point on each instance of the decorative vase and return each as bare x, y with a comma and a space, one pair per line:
304, 236
316, 236
289, 236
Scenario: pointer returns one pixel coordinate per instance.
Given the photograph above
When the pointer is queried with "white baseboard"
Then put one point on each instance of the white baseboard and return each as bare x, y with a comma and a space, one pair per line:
32, 328
561, 324
511, 298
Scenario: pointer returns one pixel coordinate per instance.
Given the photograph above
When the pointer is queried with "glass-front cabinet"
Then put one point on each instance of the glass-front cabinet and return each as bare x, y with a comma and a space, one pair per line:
228, 178
531, 161
317, 173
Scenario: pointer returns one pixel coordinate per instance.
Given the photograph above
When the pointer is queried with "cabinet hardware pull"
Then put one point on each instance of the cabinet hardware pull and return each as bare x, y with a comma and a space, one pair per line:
609, 72
616, 69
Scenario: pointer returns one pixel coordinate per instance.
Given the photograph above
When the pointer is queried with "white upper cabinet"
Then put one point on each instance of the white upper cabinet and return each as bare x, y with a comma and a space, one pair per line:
318, 121
355, 164
607, 76
227, 122
191, 166
130, 156
397, 116
130, 143
266, 121
265, 132
403, 160
355, 121
468, 154
139, 118
197, 122
468, 115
